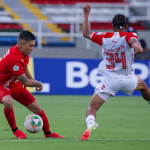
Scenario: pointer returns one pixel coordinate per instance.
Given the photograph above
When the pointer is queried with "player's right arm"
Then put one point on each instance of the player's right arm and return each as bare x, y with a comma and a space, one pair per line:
16, 69
136, 45
86, 31
132, 40
30, 82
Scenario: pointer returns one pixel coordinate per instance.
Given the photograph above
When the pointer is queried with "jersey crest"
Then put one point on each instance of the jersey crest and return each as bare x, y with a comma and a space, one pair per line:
15, 68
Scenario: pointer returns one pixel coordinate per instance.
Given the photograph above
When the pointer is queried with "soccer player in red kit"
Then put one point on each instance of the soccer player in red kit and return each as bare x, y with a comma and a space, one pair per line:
118, 49
14, 78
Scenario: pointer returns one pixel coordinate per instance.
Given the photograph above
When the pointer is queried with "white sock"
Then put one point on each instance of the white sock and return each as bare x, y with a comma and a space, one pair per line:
90, 120
148, 102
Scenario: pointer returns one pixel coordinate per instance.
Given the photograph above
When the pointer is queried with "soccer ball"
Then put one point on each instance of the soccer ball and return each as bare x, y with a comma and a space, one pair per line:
33, 123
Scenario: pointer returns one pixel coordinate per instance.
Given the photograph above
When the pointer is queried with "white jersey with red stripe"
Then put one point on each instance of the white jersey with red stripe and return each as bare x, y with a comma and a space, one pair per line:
117, 53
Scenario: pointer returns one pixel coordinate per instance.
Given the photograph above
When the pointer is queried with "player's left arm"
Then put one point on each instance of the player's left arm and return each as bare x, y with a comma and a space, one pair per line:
136, 45
28, 74
30, 77
86, 31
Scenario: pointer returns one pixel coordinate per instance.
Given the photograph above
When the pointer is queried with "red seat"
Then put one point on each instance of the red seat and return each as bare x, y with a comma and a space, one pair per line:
108, 25
8, 26
64, 26
104, 25
15, 26
74, 1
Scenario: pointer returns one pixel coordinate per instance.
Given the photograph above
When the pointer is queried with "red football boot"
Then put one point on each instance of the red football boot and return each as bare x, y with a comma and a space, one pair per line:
19, 134
53, 135
85, 135
88, 131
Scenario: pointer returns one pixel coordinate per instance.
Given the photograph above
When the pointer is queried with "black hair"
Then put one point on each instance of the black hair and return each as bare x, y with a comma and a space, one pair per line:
26, 35
119, 21
143, 43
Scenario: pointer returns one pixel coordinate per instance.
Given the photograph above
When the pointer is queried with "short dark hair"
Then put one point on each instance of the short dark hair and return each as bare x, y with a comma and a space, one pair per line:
26, 35
119, 21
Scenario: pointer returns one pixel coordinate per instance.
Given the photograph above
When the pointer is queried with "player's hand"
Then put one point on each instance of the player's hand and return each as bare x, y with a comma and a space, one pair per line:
137, 49
86, 9
40, 87
136, 52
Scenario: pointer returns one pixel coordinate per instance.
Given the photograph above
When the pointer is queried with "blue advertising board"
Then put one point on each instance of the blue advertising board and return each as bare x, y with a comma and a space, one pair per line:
76, 76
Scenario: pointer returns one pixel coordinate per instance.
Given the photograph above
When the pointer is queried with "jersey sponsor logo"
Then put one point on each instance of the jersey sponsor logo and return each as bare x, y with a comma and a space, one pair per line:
6, 87
15, 68
11, 80
114, 41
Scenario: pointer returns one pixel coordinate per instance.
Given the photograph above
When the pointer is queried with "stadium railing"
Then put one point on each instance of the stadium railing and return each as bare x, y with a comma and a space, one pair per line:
75, 23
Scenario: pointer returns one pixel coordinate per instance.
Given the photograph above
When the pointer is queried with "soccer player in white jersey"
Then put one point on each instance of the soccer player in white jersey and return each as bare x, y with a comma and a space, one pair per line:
118, 49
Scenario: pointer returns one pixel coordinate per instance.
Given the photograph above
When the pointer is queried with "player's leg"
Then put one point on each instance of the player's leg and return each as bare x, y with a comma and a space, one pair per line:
97, 100
94, 105
107, 88
8, 111
144, 89
7, 100
27, 99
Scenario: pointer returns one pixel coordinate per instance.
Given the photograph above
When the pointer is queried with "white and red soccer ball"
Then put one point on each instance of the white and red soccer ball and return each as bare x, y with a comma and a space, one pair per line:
33, 123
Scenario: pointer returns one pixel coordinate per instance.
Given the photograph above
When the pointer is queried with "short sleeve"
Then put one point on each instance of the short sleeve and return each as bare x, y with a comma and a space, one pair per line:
131, 35
15, 67
97, 37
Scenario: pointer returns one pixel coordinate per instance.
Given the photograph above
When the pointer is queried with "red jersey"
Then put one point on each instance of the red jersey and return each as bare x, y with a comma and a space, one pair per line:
12, 65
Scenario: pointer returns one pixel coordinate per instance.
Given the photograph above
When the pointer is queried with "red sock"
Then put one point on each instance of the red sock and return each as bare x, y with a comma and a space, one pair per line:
9, 114
45, 121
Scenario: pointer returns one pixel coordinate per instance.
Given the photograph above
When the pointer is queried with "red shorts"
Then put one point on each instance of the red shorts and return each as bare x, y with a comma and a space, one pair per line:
20, 94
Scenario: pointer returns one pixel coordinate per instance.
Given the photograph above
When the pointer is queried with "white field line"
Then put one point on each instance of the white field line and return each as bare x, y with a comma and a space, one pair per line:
40, 140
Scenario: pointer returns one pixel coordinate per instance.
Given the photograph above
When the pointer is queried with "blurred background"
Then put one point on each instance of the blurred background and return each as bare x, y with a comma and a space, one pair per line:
62, 56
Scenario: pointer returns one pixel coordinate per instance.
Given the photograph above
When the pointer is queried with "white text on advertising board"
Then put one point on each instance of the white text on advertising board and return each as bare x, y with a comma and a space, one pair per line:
93, 78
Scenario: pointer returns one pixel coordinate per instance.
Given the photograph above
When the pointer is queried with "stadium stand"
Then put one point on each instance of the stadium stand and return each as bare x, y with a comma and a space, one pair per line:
69, 13
26, 10
11, 27
103, 25
7, 24
60, 20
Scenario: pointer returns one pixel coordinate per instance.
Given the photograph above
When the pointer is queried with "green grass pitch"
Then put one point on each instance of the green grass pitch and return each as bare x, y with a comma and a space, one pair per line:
124, 124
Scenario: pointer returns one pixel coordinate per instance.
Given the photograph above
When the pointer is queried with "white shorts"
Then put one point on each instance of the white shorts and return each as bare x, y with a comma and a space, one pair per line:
111, 86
